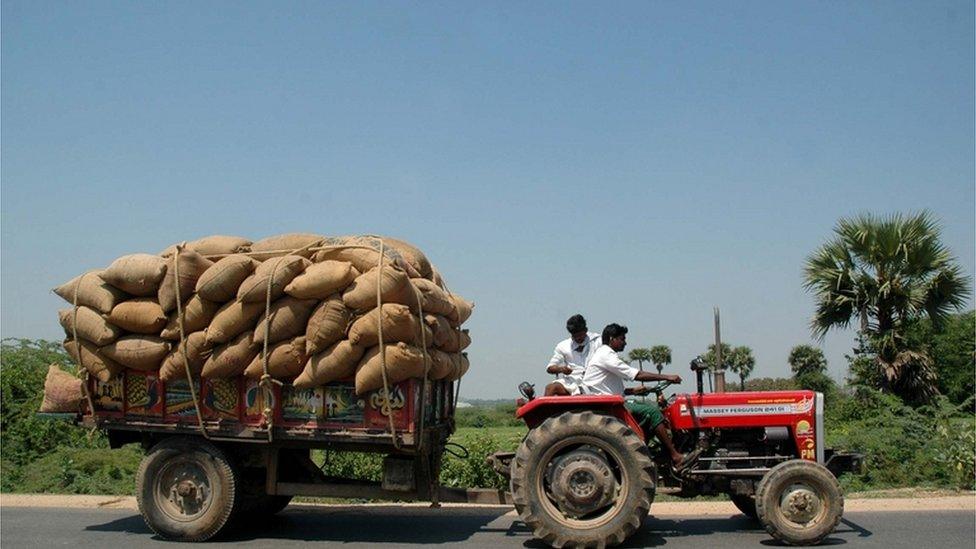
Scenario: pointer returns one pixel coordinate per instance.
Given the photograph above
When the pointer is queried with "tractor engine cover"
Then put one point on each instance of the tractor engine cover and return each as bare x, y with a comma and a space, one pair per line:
582, 482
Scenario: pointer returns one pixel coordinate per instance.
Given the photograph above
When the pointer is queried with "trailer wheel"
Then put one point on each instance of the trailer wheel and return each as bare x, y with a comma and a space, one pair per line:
799, 502
583, 479
745, 503
186, 489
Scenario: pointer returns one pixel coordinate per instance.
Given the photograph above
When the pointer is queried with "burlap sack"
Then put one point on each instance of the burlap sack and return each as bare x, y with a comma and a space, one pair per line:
92, 292
213, 245
192, 265
456, 341
198, 350
197, 315
285, 269
402, 362
320, 280
434, 299
221, 281
62, 391
140, 316
395, 287
233, 319
461, 367
91, 326
461, 311
285, 359
443, 364
289, 318
437, 278
139, 352
327, 325
337, 362
363, 253
136, 274
399, 324
284, 244
230, 360
98, 365
442, 329
413, 256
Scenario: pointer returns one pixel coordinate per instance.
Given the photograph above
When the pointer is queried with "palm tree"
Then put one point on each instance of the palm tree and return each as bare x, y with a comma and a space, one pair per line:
709, 356
660, 356
641, 355
807, 359
742, 362
886, 273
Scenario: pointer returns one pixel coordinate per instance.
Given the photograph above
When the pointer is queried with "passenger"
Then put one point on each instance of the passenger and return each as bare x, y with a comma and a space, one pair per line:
569, 359
605, 374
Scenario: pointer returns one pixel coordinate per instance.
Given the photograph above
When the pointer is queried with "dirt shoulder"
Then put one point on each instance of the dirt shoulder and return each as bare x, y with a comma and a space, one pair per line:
910, 501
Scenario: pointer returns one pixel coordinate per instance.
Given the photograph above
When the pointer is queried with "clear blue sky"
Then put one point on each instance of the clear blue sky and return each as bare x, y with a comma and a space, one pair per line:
639, 163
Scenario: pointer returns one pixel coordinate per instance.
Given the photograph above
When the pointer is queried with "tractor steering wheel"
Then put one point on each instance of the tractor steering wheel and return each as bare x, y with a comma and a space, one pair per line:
659, 387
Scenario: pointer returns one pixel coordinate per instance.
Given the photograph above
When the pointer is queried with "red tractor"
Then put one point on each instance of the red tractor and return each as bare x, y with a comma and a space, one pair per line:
584, 475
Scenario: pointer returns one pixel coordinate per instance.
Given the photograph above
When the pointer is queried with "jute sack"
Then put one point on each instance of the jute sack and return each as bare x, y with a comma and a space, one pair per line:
136, 274
197, 315
436, 277
284, 269
285, 359
395, 288
62, 391
321, 280
213, 245
413, 256
327, 325
457, 341
284, 244
230, 359
139, 352
461, 367
92, 292
221, 281
98, 365
442, 329
198, 350
233, 319
363, 252
91, 326
337, 362
289, 318
402, 362
447, 365
140, 316
434, 299
192, 265
399, 324
461, 311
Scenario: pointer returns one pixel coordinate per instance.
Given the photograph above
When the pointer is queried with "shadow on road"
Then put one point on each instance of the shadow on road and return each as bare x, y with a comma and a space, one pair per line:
365, 524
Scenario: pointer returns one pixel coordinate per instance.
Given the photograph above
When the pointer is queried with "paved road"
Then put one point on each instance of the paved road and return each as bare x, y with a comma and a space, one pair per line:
353, 527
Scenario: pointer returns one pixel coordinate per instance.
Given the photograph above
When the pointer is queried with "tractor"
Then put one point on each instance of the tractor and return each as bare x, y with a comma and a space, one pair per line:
584, 475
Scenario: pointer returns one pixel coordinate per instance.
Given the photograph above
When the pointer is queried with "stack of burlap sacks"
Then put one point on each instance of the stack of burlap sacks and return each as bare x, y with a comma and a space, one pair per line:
324, 322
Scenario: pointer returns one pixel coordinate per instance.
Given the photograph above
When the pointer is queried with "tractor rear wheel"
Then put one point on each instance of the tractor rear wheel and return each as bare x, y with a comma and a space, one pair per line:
583, 479
745, 503
799, 502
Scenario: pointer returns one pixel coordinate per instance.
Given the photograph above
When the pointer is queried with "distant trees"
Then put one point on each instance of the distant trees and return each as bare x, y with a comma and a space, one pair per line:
810, 369
660, 356
641, 355
742, 363
886, 274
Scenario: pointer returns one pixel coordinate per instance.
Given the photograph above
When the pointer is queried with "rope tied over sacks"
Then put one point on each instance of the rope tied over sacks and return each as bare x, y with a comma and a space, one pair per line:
183, 340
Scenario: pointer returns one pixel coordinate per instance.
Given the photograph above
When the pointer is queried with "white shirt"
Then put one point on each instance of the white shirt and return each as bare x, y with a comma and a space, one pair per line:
605, 373
567, 355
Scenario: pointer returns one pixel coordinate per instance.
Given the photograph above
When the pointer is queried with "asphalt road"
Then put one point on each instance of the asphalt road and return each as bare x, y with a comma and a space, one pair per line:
392, 526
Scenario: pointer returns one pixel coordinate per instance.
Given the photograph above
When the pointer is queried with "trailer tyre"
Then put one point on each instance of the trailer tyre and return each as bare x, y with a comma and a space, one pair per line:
583, 479
799, 502
187, 489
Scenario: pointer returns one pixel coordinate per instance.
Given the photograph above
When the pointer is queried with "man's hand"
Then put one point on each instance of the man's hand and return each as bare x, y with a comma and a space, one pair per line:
642, 390
567, 370
674, 378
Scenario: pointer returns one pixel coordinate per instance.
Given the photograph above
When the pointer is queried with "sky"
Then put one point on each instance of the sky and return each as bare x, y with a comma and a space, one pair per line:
639, 163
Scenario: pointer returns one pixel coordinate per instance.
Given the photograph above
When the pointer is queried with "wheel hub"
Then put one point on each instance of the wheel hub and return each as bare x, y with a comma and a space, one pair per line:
582, 482
800, 504
183, 490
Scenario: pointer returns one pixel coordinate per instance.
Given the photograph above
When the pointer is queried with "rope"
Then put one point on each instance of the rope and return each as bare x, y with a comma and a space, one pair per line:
386, 407
183, 340
267, 382
423, 347
85, 374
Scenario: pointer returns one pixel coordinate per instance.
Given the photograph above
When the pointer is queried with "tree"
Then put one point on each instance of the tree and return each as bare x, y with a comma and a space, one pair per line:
953, 351
742, 362
805, 359
709, 356
887, 273
660, 356
641, 355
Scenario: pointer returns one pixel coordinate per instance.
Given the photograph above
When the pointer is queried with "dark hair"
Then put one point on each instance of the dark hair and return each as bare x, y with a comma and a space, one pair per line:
612, 331
576, 323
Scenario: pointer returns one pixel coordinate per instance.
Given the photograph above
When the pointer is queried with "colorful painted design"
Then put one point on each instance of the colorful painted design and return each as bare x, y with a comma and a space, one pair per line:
222, 398
378, 413
301, 404
254, 401
179, 399
107, 395
341, 405
143, 395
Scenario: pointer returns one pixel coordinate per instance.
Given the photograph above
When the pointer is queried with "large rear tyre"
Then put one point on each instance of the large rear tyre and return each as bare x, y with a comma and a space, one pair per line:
186, 489
799, 502
746, 504
583, 479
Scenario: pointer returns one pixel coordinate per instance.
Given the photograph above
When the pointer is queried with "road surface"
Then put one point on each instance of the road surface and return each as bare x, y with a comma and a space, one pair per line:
389, 526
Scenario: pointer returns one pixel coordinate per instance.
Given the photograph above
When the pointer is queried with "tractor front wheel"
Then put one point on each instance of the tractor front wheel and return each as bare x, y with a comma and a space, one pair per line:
799, 502
583, 479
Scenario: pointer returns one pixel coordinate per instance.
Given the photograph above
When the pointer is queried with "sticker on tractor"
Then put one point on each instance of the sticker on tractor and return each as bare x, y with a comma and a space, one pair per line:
801, 407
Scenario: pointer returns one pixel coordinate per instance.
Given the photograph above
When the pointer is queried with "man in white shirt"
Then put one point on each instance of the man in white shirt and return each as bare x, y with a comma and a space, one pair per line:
605, 375
570, 357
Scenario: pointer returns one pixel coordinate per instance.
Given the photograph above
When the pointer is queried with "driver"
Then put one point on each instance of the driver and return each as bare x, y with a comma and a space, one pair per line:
605, 374
570, 357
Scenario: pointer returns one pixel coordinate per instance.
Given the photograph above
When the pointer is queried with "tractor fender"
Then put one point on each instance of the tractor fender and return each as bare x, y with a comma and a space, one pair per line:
542, 408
